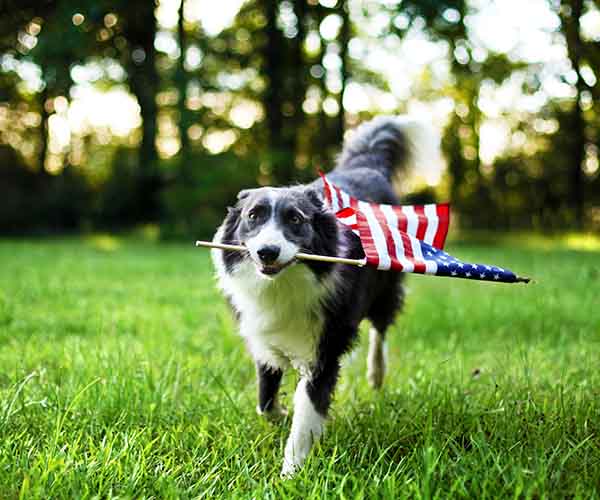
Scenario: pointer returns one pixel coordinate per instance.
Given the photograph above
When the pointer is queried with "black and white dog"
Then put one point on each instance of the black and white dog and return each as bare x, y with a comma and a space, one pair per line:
304, 314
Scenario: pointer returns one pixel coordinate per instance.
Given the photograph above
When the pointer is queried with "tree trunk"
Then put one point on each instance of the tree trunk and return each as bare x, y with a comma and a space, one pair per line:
44, 130
140, 30
344, 39
274, 66
323, 138
182, 83
300, 74
571, 25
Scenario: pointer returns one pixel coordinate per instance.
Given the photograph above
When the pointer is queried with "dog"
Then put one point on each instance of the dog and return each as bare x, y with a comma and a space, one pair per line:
305, 315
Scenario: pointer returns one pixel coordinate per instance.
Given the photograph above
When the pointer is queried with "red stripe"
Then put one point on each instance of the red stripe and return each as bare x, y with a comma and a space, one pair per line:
366, 238
408, 253
327, 187
422, 226
402, 222
443, 212
345, 212
389, 240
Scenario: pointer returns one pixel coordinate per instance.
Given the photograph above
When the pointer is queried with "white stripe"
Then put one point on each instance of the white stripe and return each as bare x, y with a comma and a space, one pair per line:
392, 220
334, 200
412, 220
378, 236
430, 265
432, 223
349, 221
345, 199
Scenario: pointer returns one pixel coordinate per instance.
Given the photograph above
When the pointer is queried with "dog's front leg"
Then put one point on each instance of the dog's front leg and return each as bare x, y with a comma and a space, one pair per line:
269, 380
311, 402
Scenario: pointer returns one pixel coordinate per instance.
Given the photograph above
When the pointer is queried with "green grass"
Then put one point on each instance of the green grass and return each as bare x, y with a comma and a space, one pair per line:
121, 375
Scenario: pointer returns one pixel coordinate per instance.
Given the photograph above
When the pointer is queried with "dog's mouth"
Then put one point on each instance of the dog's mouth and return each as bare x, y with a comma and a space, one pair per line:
271, 270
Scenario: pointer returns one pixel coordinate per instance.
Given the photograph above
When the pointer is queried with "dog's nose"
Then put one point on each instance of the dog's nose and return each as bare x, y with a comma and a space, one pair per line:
268, 254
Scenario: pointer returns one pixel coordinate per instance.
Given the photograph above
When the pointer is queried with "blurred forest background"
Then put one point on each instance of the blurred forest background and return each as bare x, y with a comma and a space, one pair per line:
126, 112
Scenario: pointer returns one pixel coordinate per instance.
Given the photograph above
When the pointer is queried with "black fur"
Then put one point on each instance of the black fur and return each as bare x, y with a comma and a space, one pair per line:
231, 225
325, 240
269, 380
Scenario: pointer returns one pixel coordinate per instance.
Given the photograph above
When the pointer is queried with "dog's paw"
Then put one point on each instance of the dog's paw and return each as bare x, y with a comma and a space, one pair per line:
274, 414
288, 470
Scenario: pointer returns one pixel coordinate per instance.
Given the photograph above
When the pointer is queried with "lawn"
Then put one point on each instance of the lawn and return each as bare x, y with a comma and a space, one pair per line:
121, 375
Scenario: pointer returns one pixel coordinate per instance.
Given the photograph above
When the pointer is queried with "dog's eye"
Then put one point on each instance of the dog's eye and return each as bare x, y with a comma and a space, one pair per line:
252, 215
295, 219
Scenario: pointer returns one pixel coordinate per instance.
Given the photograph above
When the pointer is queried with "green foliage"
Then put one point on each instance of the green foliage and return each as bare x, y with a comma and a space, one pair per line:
123, 376
30, 203
273, 84
195, 200
119, 199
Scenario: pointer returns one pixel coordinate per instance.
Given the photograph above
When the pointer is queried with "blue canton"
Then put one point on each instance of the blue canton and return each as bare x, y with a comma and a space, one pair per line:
450, 266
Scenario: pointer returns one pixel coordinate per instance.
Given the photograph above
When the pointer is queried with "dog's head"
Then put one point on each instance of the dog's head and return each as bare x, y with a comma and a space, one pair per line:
277, 223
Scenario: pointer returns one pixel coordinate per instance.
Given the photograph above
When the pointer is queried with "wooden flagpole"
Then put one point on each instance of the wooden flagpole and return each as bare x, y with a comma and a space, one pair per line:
307, 256
301, 255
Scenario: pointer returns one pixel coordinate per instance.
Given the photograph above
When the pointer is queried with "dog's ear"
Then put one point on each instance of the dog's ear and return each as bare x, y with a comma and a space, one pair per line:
316, 197
324, 224
243, 196
244, 193
325, 232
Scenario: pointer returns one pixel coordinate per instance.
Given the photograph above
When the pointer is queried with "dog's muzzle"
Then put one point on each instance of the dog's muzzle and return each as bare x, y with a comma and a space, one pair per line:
271, 251
268, 254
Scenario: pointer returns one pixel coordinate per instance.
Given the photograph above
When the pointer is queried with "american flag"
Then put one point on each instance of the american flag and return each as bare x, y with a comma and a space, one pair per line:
428, 223
408, 238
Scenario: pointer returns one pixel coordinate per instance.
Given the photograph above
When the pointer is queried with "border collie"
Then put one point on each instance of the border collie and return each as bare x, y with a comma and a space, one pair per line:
303, 314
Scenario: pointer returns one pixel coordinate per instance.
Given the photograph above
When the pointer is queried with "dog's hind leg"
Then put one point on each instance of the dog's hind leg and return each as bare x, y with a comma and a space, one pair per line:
382, 314
376, 359
269, 380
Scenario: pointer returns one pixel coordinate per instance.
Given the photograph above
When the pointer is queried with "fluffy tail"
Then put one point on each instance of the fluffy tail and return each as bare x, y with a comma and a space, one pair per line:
390, 144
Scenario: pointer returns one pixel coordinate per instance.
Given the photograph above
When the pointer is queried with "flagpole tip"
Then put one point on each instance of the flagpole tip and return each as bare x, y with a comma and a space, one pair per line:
520, 279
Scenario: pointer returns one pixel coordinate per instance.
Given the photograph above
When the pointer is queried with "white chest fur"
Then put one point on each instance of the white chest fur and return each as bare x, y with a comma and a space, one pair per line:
280, 318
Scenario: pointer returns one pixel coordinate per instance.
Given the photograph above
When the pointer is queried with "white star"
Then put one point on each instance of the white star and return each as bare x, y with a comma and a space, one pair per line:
482, 275
453, 273
467, 274
459, 264
473, 266
429, 253
496, 276
443, 256
488, 268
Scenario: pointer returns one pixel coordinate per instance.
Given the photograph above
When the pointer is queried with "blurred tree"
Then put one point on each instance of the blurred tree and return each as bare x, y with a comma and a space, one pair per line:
344, 37
570, 13
298, 51
17, 21
274, 69
263, 102
139, 29
60, 46
182, 81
